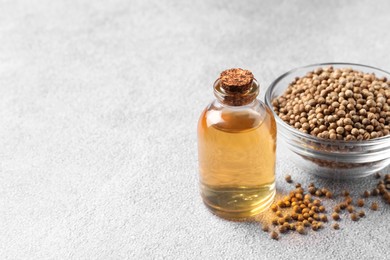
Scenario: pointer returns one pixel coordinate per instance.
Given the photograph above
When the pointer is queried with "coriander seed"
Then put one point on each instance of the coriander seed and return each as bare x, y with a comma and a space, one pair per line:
345, 193
300, 230
312, 190
374, 206
335, 216
354, 217
274, 235
339, 99
366, 194
265, 228
282, 229
323, 218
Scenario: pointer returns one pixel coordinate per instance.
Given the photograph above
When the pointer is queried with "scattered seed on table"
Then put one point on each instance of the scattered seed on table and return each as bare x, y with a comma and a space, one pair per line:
329, 194
323, 218
300, 229
282, 229
274, 207
274, 235
297, 209
335, 216
288, 178
265, 228
312, 190
345, 193
362, 214
377, 175
281, 204
354, 217
360, 202
316, 203
366, 194
292, 226
336, 226
342, 205
374, 206
351, 208
348, 200
375, 192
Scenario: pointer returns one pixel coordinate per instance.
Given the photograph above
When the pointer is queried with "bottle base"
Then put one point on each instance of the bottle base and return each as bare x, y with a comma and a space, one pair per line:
231, 212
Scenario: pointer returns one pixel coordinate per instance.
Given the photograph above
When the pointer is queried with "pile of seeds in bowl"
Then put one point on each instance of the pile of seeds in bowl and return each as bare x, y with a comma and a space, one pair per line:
341, 104
303, 210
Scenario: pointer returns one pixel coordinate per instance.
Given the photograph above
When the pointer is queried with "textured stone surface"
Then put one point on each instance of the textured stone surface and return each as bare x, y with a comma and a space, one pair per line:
99, 102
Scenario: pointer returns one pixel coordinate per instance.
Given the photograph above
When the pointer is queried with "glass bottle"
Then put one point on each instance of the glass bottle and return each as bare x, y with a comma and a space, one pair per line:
236, 148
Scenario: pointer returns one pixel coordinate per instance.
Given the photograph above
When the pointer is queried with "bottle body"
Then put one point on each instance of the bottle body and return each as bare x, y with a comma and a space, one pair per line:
236, 152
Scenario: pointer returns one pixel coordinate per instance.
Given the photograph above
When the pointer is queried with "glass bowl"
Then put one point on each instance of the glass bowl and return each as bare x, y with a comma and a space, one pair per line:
337, 159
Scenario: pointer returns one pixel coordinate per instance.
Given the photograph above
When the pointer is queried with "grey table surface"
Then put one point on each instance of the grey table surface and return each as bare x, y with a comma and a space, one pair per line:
99, 102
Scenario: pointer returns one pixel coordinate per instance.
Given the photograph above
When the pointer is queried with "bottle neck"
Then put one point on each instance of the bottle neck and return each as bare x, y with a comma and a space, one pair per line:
236, 98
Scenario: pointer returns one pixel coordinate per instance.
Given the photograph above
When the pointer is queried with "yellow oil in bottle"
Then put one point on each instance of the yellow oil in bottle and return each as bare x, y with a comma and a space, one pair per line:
237, 159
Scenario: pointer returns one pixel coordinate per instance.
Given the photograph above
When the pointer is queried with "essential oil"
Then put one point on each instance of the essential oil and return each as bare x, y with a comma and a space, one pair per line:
237, 143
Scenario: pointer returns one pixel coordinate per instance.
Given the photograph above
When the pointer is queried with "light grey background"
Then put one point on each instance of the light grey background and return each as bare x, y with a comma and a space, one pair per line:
99, 102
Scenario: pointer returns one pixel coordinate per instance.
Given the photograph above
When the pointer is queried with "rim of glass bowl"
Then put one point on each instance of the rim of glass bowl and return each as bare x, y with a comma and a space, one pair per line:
295, 132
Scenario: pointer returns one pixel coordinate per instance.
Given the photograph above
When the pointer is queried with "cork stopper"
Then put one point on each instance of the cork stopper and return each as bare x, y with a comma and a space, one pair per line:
236, 80
236, 87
